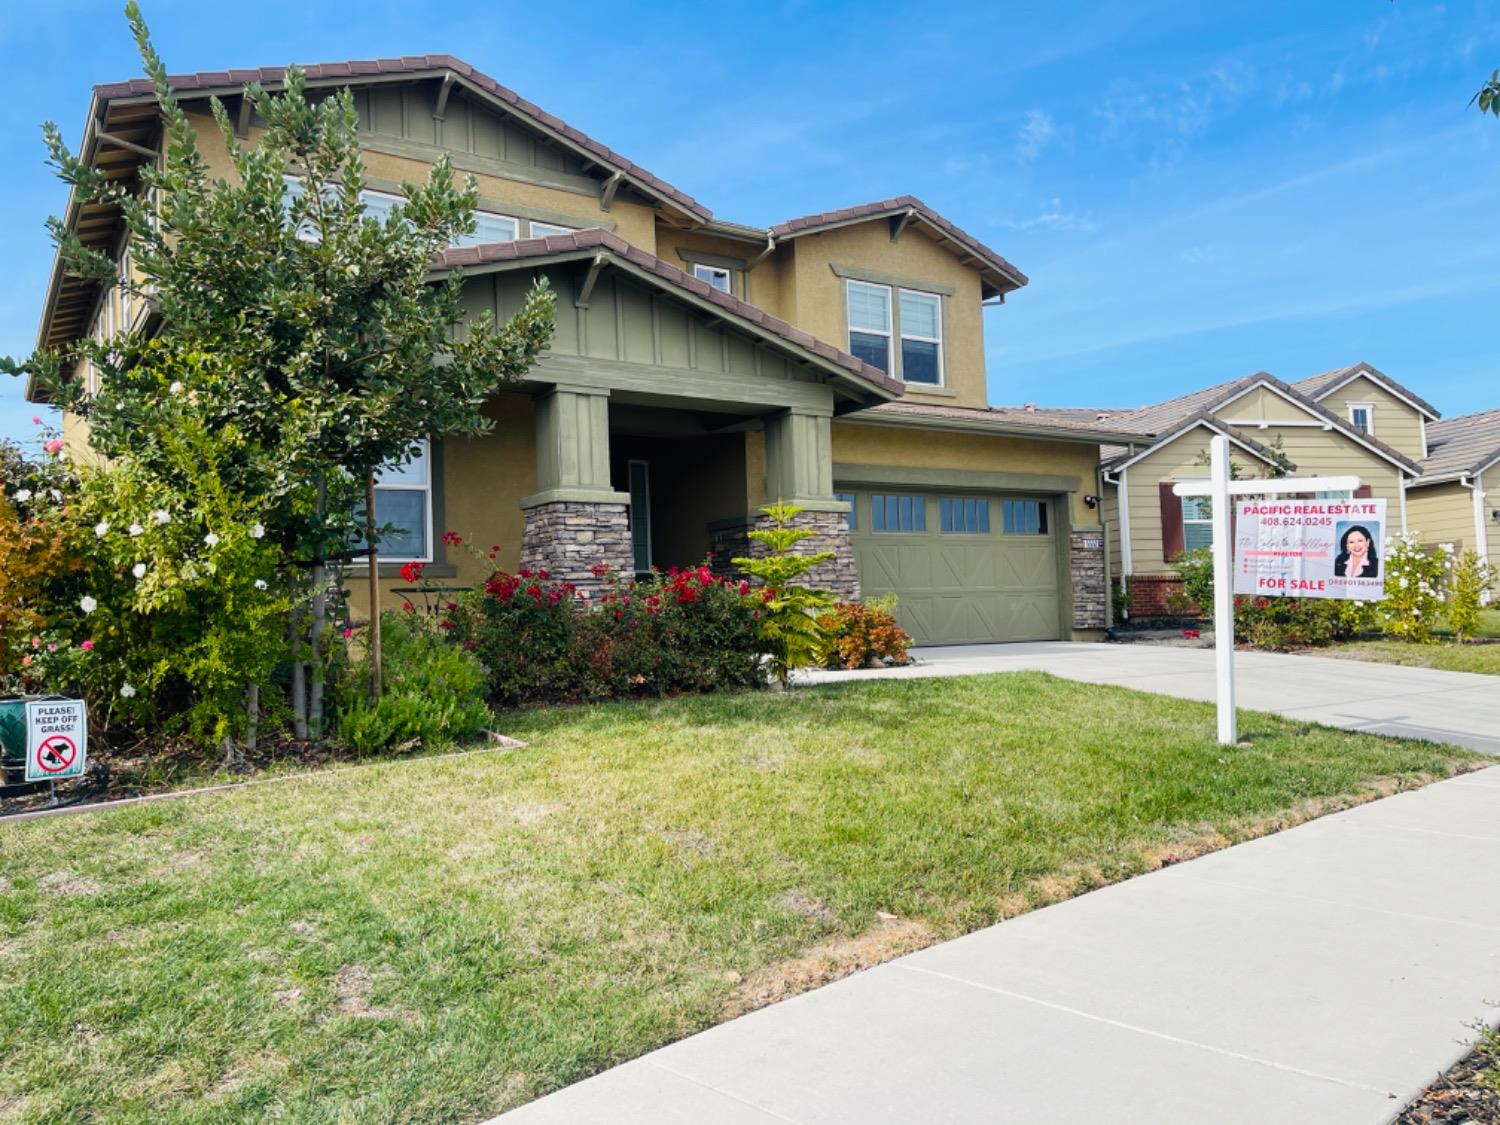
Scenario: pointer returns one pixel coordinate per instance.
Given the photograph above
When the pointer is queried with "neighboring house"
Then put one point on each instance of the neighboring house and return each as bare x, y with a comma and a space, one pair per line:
700, 369
1323, 426
1457, 498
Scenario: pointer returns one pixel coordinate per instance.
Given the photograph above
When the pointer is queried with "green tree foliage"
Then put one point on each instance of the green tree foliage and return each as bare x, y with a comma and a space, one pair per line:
1488, 97
1471, 581
309, 339
789, 629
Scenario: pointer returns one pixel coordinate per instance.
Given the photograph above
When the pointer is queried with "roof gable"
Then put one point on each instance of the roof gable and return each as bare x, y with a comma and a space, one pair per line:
1319, 387
1203, 420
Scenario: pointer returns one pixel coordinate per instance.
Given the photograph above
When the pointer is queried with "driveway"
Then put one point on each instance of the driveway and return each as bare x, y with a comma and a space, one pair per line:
1457, 707
1323, 974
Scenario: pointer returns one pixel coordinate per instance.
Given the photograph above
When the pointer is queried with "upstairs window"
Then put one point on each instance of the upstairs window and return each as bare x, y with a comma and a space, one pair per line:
546, 230
870, 323
921, 338
489, 227
717, 276
1362, 417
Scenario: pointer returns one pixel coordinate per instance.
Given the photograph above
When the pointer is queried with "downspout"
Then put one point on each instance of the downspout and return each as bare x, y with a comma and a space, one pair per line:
1481, 534
1401, 479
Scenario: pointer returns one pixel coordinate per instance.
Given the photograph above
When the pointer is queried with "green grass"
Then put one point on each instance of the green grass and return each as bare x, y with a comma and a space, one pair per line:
1444, 654
439, 940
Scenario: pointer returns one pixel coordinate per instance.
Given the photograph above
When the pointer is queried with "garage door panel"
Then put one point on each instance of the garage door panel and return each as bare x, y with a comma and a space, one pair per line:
963, 588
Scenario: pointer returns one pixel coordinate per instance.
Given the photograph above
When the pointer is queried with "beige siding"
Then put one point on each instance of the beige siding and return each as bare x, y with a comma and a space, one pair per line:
1443, 513
1262, 405
1322, 453
1491, 505
1109, 515
1183, 459
1396, 424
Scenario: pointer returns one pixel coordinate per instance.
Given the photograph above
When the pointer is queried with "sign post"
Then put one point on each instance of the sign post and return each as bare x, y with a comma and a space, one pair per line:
1219, 488
56, 739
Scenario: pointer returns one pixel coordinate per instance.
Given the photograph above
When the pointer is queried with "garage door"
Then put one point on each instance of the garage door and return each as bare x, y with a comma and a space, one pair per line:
965, 567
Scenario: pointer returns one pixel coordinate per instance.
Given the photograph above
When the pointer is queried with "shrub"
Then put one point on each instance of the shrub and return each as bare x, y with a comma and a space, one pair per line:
1283, 623
434, 692
858, 633
1196, 568
1414, 584
1472, 579
541, 640
789, 632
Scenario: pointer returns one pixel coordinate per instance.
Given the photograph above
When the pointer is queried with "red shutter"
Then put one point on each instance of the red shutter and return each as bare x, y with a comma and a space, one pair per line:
1364, 492
1171, 521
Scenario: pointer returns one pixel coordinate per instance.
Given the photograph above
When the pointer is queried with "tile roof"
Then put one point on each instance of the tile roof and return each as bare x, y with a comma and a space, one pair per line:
412, 65
1087, 424
808, 223
1316, 386
1461, 446
595, 238
1113, 455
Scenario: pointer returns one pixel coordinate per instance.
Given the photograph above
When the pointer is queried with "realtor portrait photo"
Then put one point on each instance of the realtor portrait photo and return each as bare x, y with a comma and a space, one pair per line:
1357, 556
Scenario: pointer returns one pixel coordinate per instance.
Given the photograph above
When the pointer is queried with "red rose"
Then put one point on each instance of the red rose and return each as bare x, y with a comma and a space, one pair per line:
412, 571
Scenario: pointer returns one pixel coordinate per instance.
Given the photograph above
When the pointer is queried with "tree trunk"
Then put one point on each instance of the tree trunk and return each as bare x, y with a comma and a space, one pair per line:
319, 623
252, 716
299, 678
376, 673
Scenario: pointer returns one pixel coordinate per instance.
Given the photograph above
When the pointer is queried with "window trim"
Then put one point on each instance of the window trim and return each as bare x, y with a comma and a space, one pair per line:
428, 489
890, 319
938, 339
1194, 521
851, 517
1369, 409
707, 267
554, 229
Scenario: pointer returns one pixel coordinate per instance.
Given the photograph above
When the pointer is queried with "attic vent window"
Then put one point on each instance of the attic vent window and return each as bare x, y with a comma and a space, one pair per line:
1362, 417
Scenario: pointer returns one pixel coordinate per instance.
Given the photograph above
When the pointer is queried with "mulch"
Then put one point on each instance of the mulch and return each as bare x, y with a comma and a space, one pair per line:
1462, 1096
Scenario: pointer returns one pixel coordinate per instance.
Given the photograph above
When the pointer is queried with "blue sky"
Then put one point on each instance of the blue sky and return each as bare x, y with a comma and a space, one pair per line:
1197, 190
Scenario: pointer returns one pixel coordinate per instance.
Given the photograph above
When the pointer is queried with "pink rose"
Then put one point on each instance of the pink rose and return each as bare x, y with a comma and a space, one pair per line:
36, 421
87, 646
54, 446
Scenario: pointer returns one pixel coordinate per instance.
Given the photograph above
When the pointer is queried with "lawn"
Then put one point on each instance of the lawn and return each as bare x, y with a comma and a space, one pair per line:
440, 939
1444, 655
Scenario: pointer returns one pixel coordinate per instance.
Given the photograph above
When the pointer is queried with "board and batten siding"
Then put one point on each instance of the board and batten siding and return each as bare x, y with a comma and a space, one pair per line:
1396, 423
627, 322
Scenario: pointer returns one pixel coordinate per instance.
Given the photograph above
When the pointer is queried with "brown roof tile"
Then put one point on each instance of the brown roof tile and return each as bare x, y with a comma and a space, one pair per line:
793, 227
1000, 418
1316, 386
413, 64
595, 238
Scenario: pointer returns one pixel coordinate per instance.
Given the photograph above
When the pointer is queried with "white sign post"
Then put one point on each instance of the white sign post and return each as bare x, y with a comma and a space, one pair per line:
57, 739
1219, 488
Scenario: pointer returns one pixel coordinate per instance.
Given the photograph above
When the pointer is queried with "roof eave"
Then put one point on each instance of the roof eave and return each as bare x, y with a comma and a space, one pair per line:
999, 427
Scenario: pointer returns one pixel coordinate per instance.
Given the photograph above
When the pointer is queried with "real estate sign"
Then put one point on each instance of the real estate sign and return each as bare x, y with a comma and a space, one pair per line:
1310, 548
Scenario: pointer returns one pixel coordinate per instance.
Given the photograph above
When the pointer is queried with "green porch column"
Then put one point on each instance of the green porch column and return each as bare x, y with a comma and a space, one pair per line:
575, 520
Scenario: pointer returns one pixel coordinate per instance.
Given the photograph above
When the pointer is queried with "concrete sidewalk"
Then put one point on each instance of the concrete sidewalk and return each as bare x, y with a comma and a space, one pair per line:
1323, 975
1457, 707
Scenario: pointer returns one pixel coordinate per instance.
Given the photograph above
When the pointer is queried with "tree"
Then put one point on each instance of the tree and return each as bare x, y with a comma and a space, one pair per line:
789, 628
290, 318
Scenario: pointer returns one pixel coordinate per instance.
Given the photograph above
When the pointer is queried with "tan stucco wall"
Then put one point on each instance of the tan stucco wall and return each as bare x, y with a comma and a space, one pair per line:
912, 447
761, 286
1316, 452
1396, 424
817, 301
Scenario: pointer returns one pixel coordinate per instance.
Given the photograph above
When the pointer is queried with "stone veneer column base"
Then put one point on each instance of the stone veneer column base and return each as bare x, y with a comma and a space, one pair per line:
568, 538
1086, 564
731, 539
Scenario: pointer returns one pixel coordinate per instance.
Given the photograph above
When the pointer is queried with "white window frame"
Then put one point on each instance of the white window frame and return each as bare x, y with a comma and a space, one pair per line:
1186, 522
938, 339
548, 229
890, 320
511, 219
1369, 409
701, 268
424, 487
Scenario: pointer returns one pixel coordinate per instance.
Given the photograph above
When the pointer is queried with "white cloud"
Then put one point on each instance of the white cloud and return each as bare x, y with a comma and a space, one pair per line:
1052, 216
1035, 133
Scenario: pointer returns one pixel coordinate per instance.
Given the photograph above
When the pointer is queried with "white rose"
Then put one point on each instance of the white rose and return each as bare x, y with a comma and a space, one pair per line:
57, 495
190, 572
258, 531
101, 529
211, 539
175, 388
139, 570
260, 583
161, 515
136, 529
23, 495
88, 604
127, 691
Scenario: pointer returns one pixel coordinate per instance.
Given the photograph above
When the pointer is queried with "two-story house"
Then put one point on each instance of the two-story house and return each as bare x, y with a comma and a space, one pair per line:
1355, 421
700, 368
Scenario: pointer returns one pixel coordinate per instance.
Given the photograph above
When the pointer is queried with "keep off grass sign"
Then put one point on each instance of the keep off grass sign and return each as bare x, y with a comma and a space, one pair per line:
57, 739
1310, 548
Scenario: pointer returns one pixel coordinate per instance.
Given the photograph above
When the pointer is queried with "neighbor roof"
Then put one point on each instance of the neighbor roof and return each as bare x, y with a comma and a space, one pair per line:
1318, 387
912, 207
1117, 457
1462, 446
1172, 416
607, 242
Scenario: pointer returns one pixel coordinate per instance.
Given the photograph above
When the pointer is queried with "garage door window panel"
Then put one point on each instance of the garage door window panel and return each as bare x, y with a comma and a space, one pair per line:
898, 512
964, 515
1024, 517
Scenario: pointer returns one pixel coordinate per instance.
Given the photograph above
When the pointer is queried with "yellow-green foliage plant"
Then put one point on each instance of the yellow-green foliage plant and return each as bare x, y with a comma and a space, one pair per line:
787, 625
1473, 579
